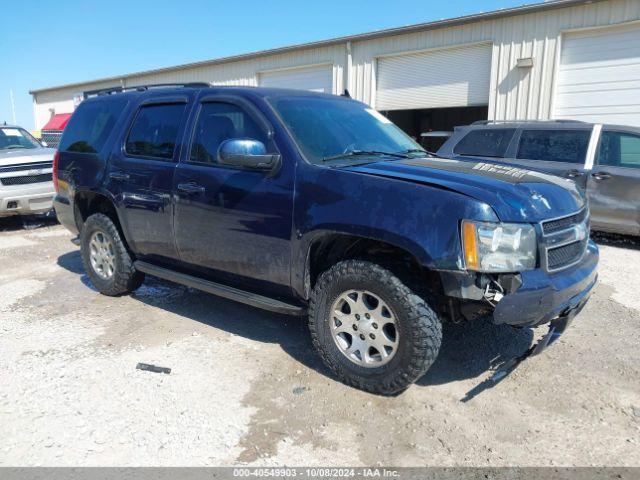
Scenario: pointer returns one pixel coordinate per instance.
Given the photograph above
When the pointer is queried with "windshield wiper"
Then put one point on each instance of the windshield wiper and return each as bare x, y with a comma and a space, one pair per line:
370, 153
11, 147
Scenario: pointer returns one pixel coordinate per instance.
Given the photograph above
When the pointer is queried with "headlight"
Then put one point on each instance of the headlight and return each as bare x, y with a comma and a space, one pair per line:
498, 247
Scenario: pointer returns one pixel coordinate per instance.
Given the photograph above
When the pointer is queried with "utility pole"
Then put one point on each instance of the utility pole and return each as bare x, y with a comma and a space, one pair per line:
13, 106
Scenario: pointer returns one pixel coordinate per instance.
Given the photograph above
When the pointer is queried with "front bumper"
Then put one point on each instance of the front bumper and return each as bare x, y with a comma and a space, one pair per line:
26, 199
543, 297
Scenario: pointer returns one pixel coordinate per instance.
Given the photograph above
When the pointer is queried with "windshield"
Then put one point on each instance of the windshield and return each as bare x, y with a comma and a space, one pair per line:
16, 138
331, 129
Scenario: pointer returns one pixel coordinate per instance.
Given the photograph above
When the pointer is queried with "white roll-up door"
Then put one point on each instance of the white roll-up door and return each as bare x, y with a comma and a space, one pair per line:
599, 76
317, 79
451, 77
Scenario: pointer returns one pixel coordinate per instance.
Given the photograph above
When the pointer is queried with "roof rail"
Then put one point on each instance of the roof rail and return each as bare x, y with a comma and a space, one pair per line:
490, 122
143, 88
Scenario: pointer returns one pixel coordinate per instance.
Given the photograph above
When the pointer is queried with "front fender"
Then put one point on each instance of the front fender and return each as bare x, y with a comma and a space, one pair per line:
422, 220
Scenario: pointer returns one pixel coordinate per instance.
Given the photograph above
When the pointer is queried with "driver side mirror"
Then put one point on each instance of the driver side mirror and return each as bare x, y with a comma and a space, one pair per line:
44, 144
247, 153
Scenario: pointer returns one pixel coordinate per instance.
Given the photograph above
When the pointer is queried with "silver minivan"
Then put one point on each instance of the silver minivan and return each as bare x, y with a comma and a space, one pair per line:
603, 159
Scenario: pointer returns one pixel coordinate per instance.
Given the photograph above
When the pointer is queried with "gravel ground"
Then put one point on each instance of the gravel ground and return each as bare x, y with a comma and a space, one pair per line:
245, 388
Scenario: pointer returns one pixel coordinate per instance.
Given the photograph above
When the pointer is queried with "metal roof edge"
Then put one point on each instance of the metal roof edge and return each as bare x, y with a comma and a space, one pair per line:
450, 22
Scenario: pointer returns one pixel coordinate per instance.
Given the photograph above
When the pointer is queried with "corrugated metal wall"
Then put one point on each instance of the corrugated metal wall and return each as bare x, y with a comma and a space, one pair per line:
515, 93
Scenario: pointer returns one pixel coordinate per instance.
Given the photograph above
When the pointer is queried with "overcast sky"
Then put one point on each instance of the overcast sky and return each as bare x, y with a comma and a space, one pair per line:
47, 43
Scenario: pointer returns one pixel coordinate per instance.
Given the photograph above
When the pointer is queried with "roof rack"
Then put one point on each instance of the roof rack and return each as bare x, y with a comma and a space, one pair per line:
489, 122
144, 88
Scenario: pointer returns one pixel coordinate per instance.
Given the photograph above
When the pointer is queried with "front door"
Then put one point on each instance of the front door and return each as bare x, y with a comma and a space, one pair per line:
231, 223
614, 183
141, 176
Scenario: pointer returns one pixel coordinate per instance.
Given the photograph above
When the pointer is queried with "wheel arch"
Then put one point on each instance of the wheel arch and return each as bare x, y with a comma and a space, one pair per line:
88, 202
326, 248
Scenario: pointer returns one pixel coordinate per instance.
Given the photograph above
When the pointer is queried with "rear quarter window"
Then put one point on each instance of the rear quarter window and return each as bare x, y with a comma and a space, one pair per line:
568, 146
91, 125
485, 142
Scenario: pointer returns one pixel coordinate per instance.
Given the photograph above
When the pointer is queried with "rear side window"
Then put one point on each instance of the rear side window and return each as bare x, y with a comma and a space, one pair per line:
91, 125
491, 142
218, 122
619, 150
154, 131
554, 145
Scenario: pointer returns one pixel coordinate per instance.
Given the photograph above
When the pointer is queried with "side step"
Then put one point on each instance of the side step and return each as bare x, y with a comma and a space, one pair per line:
220, 290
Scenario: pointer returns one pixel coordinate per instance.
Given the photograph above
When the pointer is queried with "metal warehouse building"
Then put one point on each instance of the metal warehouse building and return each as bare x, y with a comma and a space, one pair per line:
576, 59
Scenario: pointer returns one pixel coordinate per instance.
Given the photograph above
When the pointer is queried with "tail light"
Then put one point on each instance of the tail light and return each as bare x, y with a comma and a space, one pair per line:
56, 158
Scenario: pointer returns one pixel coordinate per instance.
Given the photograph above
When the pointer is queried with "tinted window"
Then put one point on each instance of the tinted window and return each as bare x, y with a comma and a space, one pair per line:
91, 124
554, 145
491, 142
155, 131
619, 149
218, 122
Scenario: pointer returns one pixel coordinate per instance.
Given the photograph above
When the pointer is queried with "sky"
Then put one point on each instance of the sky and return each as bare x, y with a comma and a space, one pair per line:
48, 43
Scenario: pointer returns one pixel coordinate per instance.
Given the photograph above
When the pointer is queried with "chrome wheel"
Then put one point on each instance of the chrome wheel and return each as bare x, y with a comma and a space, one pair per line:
102, 255
364, 328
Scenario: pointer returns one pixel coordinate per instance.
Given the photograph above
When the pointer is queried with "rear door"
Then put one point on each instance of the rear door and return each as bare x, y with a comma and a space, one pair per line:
562, 152
614, 182
141, 174
231, 223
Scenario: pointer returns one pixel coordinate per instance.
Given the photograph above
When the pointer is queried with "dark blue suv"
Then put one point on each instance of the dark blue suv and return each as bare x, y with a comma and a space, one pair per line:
305, 203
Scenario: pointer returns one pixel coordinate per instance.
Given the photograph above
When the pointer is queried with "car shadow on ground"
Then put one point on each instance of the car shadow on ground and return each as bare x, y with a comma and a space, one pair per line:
467, 352
29, 222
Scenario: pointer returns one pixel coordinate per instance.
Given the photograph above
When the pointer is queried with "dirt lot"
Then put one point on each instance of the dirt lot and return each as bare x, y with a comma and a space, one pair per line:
245, 387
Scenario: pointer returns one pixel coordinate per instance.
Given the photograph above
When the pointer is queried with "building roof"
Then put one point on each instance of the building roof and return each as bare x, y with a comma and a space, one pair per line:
506, 12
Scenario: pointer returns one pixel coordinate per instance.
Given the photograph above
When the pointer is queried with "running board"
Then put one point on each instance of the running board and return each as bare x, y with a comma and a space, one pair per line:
220, 290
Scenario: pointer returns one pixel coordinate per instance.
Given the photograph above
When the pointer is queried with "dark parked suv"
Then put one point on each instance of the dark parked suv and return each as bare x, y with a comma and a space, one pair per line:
305, 203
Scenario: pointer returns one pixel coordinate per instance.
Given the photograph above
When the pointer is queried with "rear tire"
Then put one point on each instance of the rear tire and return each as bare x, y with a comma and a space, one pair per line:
412, 340
106, 259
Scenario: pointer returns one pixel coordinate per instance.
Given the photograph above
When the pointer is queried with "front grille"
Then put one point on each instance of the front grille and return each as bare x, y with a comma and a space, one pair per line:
26, 166
566, 239
566, 255
26, 179
563, 223
52, 137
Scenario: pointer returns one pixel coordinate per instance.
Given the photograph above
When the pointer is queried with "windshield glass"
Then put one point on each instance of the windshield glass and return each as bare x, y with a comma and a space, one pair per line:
16, 138
327, 128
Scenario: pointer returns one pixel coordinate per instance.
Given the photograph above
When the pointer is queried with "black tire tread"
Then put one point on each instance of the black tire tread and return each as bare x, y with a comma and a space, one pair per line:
425, 323
126, 278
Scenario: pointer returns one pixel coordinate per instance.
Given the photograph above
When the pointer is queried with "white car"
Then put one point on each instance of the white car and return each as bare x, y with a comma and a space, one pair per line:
26, 185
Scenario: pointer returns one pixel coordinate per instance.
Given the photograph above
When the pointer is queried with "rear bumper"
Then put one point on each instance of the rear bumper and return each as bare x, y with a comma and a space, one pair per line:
543, 297
26, 199
65, 213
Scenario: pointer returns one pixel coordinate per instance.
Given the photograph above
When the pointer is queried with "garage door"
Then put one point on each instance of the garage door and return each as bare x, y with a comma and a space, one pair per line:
452, 77
599, 76
317, 79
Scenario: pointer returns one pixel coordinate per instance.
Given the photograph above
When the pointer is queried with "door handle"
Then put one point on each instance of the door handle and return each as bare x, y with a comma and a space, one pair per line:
119, 176
601, 175
190, 187
574, 173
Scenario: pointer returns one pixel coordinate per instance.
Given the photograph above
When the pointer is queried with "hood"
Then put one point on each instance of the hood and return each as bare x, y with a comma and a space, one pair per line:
515, 194
19, 156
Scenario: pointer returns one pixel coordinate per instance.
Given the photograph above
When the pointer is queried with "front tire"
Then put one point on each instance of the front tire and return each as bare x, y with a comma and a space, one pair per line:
106, 259
370, 329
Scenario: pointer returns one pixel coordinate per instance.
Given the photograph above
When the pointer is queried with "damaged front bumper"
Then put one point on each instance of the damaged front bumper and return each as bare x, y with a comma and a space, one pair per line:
533, 297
